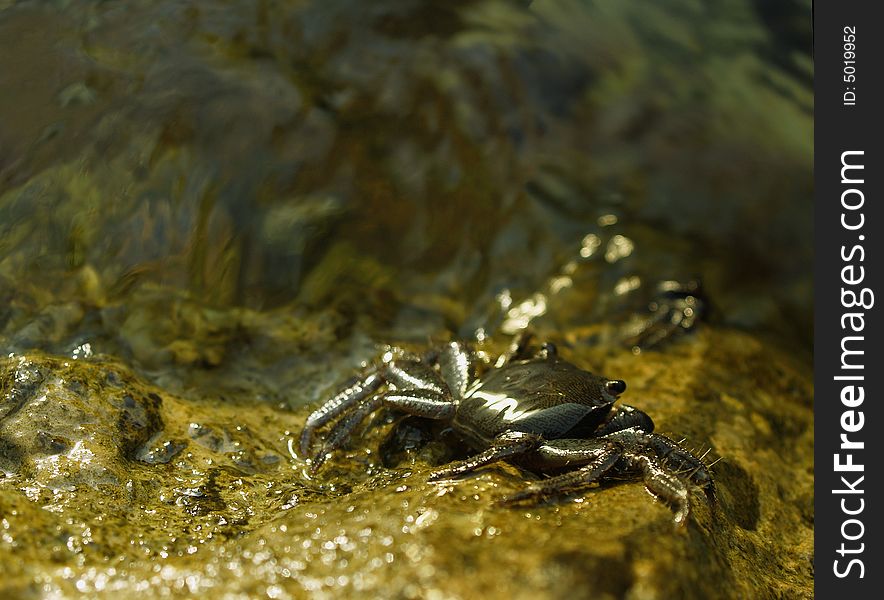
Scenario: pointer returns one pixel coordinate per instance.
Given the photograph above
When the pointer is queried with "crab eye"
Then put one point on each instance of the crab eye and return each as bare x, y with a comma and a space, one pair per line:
615, 387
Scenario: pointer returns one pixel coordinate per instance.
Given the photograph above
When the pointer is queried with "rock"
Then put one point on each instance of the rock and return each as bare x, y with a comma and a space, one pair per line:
63, 428
179, 495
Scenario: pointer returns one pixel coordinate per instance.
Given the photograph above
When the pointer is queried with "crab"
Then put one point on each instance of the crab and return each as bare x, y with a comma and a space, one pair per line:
676, 308
532, 408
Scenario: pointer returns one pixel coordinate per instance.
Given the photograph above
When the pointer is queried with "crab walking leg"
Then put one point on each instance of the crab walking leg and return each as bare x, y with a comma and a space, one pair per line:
350, 394
457, 364
504, 446
568, 453
421, 403
401, 373
677, 460
413, 375
664, 485
603, 459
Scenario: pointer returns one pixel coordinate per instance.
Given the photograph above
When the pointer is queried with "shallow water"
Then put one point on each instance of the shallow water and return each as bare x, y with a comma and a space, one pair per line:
232, 205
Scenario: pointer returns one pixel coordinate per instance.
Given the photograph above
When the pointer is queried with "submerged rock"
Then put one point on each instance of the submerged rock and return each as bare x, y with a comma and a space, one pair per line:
112, 485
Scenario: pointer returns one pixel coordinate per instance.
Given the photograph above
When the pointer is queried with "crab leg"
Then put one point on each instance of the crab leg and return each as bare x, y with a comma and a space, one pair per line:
405, 374
413, 375
567, 453
422, 403
671, 455
603, 460
350, 394
504, 446
664, 485
457, 364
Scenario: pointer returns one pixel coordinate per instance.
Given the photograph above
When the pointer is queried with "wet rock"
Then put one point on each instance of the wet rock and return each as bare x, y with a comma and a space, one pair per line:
100, 465
62, 428
210, 499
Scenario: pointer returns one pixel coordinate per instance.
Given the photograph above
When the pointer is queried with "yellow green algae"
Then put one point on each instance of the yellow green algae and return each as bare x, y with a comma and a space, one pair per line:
115, 485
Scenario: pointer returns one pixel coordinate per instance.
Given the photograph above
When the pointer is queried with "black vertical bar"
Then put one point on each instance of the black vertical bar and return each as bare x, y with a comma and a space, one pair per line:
849, 226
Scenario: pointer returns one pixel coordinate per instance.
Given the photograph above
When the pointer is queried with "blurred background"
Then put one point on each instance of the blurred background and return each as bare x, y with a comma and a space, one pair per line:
400, 168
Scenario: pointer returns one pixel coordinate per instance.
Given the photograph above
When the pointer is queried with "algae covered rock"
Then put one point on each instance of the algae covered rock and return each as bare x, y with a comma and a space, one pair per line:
134, 488
62, 428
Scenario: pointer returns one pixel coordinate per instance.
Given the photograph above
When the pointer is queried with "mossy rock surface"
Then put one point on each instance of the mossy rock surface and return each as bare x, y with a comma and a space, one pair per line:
113, 485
